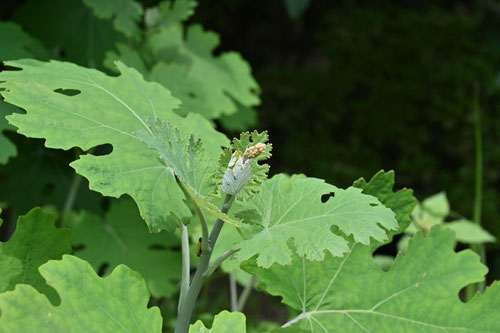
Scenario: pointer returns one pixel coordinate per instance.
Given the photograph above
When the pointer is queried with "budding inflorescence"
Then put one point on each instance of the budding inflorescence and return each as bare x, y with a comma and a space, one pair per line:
254, 151
239, 169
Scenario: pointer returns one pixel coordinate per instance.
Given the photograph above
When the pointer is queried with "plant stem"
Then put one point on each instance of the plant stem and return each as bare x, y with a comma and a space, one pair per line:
218, 261
204, 229
233, 291
479, 248
187, 307
70, 199
245, 294
185, 264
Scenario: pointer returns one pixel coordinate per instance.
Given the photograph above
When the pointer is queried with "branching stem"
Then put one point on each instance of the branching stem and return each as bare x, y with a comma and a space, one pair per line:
187, 307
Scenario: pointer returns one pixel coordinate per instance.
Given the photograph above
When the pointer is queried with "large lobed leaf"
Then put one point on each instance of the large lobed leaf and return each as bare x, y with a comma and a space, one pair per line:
35, 242
120, 238
290, 208
106, 110
217, 82
126, 14
117, 303
418, 294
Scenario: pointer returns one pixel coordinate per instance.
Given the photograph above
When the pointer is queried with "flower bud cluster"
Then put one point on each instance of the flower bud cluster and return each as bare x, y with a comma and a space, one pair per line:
239, 169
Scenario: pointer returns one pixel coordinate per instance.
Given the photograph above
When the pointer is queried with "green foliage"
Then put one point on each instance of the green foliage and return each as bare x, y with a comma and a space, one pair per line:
7, 148
126, 14
89, 303
186, 158
122, 238
435, 210
401, 203
329, 296
224, 322
69, 28
35, 242
287, 208
79, 120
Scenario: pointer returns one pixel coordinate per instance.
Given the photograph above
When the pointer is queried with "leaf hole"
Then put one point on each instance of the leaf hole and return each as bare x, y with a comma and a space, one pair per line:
102, 150
78, 247
373, 204
68, 92
326, 197
102, 269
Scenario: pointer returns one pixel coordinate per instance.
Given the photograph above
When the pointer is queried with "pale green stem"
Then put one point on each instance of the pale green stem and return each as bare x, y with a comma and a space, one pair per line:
233, 291
70, 199
187, 308
204, 228
479, 248
185, 264
211, 269
245, 294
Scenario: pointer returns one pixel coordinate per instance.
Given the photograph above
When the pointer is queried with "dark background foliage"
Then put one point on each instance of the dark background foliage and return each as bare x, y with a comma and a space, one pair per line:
348, 88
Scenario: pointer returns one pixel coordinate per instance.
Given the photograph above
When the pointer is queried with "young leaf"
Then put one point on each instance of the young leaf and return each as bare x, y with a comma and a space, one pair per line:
259, 171
418, 294
224, 322
169, 12
121, 238
126, 14
401, 202
35, 242
291, 208
107, 110
89, 303
186, 158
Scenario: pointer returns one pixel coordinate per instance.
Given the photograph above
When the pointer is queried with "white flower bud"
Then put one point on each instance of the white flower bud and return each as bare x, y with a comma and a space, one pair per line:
239, 169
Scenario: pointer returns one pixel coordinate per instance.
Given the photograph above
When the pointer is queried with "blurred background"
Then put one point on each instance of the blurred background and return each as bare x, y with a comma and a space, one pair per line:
347, 88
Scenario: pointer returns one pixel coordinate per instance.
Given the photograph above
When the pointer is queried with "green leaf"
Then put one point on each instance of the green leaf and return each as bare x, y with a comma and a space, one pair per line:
126, 14
224, 322
117, 303
186, 158
17, 44
168, 13
39, 176
35, 242
418, 294
401, 202
259, 171
291, 208
121, 238
69, 28
217, 82
7, 148
435, 206
126, 54
107, 110
469, 232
